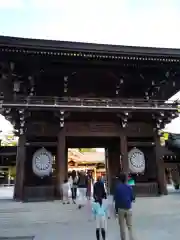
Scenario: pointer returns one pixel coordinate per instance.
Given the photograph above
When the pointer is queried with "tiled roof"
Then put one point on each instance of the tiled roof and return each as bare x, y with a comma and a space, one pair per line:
87, 50
96, 157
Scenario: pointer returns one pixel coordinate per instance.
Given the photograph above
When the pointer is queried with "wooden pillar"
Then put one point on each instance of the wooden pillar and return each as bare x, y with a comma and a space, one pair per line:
110, 161
108, 174
160, 166
113, 165
61, 160
95, 175
66, 161
20, 169
124, 151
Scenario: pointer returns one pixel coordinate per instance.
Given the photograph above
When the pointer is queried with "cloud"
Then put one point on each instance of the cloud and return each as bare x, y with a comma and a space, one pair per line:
174, 126
109, 22
11, 4
120, 22
5, 125
47, 4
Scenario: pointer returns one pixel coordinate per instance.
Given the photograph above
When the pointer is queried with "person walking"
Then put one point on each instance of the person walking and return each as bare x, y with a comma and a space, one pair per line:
82, 187
89, 184
65, 191
123, 197
100, 215
74, 184
99, 191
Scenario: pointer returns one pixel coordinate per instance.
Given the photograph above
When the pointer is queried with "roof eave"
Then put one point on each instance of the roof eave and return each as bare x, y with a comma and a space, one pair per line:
52, 45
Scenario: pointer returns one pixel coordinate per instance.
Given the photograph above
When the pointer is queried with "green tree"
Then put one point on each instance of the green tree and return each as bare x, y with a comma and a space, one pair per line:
9, 140
87, 150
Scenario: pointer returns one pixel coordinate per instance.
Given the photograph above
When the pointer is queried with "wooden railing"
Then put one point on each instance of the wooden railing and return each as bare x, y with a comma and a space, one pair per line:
89, 103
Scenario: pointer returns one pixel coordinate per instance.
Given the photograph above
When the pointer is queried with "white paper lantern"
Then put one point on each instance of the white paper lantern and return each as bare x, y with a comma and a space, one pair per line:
136, 161
42, 163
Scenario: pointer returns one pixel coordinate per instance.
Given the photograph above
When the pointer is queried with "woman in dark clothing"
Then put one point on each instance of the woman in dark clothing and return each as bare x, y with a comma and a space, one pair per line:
74, 185
99, 190
89, 184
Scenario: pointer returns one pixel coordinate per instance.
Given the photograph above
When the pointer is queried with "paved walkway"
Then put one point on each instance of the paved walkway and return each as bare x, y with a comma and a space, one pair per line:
154, 218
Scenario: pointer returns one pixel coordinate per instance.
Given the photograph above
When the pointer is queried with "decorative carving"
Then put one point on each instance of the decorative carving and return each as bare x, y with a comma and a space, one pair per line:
17, 85
61, 119
118, 85
124, 119
65, 84
146, 95
16, 79
42, 163
32, 85
136, 161
21, 121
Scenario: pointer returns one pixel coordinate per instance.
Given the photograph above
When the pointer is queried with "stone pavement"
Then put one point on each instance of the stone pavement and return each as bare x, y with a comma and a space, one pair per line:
154, 218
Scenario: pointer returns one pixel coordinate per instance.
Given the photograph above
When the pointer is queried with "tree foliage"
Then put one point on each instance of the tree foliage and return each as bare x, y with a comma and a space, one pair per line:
9, 140
82, 150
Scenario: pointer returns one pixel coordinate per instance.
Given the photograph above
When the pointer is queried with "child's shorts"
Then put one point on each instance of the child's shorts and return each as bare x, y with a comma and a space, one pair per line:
101, 222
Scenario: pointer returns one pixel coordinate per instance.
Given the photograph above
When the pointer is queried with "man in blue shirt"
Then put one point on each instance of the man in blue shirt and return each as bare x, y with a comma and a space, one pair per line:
123, 197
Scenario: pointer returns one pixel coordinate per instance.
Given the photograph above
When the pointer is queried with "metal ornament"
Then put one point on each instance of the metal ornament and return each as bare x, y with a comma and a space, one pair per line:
61, 119
42, 163
136, 161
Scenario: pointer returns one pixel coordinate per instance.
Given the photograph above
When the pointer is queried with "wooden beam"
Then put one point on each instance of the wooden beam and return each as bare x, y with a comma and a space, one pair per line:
20, 169
42, 144
124, 151
61, 161
160, 165
140, 144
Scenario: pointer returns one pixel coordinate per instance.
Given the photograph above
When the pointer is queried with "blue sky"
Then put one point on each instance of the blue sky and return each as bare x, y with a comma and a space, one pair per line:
153, 23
